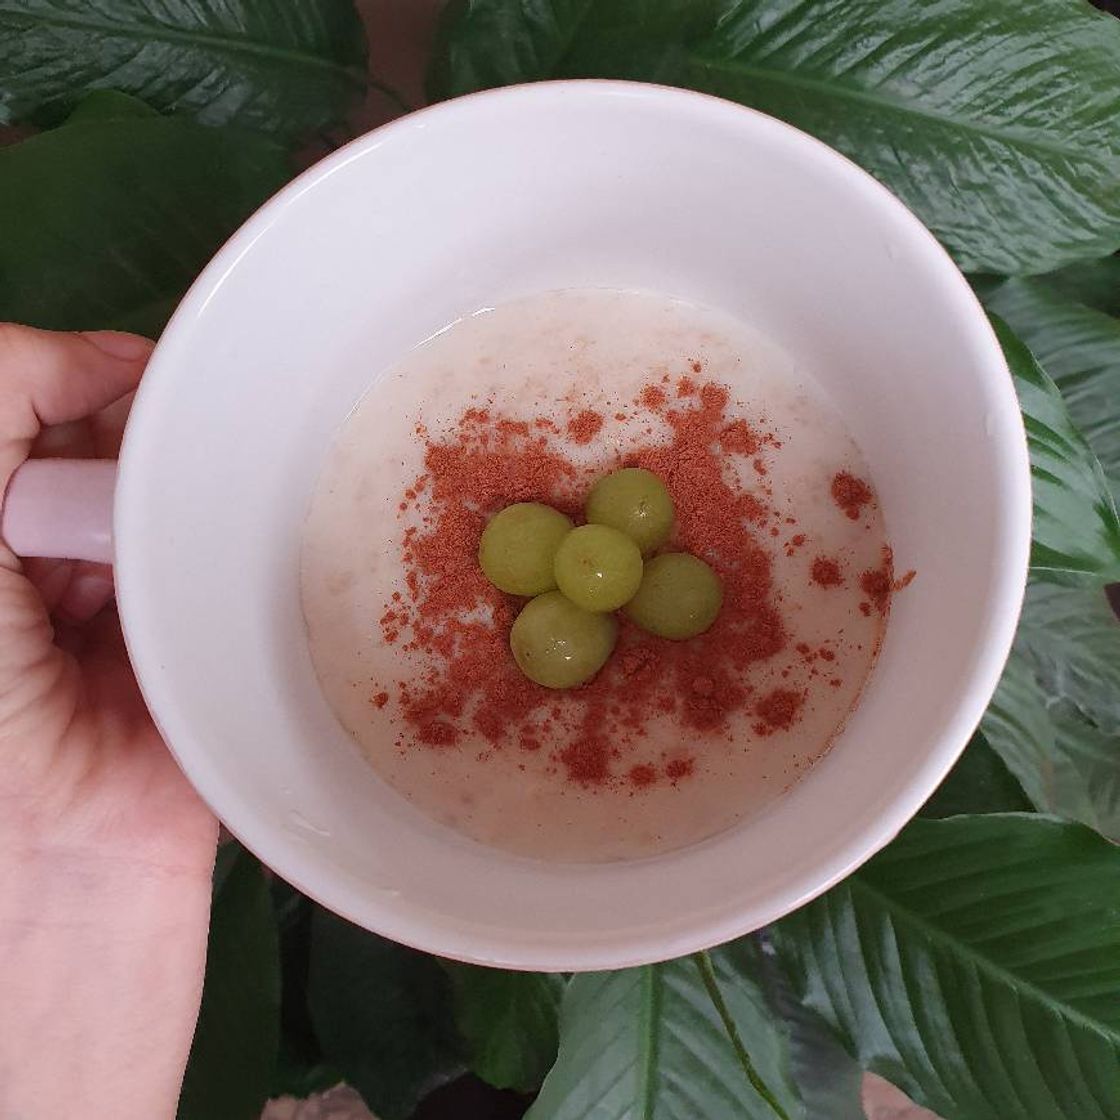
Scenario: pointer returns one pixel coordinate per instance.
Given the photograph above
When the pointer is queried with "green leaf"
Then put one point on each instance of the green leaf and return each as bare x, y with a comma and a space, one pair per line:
508, 1021
383, 1015
1055, 718
1076, 530
975, 963
1067, 765
1070, 637
234, 1051
997, 122
300, 1068
284, 66
1078, 347
1095, 284
979, 783
109, 105
829, 1080
490, 43
107, 220
648, 1044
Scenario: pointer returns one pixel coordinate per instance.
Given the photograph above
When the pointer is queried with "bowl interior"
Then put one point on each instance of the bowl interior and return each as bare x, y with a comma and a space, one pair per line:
467, 205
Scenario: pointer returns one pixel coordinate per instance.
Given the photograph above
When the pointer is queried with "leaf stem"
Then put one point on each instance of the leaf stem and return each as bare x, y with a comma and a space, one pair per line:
390, 93
703, 962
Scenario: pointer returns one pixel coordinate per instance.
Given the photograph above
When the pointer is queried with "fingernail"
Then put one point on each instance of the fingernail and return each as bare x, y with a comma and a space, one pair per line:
56, 584
117, 344
86, 595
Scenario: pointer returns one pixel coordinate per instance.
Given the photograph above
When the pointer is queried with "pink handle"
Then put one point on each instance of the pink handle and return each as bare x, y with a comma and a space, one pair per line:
61, 508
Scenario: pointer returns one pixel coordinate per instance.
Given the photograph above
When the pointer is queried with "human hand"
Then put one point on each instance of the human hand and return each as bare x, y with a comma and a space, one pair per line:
106, 852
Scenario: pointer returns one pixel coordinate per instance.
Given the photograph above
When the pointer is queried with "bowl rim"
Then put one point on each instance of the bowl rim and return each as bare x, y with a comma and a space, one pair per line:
624, 948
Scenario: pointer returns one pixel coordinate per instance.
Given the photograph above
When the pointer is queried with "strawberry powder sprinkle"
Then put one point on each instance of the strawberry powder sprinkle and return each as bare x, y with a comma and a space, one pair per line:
456, 624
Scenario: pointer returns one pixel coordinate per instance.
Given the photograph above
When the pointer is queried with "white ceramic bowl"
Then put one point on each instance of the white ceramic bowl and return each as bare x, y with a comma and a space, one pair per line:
471, 203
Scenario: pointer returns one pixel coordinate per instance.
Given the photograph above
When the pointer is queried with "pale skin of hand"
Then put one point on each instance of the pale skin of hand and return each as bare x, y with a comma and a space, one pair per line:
106, 852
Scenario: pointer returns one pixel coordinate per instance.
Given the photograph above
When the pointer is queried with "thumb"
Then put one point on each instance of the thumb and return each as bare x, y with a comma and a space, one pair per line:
49, 377
46, 378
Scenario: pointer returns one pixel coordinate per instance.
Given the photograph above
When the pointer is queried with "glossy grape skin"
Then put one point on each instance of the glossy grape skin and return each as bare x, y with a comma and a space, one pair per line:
518, 547
598, 567
558, 645
635, 502
680, 597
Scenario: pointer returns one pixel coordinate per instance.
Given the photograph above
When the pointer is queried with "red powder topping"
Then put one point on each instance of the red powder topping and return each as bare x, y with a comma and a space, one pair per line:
686, 387
697, 366
458, 624
644, 775
436, 733
878, 583
520, 427
380, 700
738, 438
851, 494
777, 710
585, 426
826, 572
652, 397
587, 760
679, 768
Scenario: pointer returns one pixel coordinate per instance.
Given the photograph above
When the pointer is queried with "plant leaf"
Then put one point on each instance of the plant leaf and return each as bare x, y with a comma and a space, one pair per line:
979, 783
1094, 284
1076, 530
975, 963
109, 105
233, 1055
647, 1044
997, 122
1071, 640
157, 197
1078, 347
829, 1080
502, 42
300, 1067
383, 1015
1055, 718
508, 1021
1067, 766
284, 66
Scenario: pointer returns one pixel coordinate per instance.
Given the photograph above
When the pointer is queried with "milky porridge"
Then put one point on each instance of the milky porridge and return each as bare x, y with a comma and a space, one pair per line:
533, 401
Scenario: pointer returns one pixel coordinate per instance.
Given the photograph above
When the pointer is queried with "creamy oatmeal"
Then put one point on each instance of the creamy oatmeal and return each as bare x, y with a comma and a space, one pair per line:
532, 401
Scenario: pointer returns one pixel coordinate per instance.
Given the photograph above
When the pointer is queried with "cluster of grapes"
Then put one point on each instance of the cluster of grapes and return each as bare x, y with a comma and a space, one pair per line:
579, 576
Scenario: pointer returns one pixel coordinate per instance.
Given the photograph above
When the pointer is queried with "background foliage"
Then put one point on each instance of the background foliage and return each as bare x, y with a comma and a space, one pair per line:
975, 961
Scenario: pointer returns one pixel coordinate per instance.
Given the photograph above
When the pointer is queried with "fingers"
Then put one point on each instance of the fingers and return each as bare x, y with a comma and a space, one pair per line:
72, 590
50, 578
50, 378
96, 437
107, 428
88, 592
64, 441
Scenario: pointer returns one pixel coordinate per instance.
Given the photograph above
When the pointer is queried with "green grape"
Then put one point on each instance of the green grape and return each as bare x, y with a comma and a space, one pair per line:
598, 567
679, 598
519, 545
635, 502
558, 645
